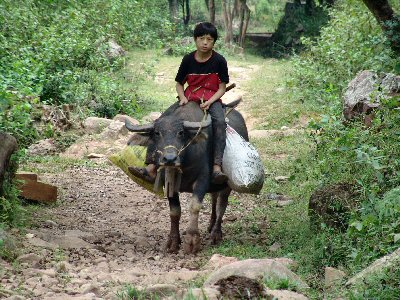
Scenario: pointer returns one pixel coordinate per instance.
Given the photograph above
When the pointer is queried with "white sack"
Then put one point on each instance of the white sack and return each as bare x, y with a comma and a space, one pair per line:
242, 164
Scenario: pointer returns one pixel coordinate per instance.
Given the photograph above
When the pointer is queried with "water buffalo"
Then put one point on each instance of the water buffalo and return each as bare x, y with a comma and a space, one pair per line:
183, 139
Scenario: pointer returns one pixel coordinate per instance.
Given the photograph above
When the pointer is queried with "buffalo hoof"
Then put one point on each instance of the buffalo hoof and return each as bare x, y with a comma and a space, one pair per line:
173, 244
191, 242
216, 237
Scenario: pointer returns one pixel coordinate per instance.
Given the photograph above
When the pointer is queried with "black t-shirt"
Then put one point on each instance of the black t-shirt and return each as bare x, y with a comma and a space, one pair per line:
203, 78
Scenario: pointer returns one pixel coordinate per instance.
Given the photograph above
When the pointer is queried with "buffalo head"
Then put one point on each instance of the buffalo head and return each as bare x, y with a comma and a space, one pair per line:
171, 136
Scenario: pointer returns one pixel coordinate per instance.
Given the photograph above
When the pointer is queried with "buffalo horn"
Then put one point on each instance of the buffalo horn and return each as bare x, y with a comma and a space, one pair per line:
197, 125
138, 128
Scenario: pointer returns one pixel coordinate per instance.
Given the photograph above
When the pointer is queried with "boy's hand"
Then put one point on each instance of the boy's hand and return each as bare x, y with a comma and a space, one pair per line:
183, 101
206, 105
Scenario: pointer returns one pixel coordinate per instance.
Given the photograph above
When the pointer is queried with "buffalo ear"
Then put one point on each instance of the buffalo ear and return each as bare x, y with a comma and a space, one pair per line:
139, 139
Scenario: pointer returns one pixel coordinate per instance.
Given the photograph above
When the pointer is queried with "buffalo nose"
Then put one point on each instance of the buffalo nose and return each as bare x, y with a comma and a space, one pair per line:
169, 158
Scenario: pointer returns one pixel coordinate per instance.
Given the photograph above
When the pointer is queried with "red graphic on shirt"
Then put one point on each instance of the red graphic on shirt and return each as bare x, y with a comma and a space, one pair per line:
201, 86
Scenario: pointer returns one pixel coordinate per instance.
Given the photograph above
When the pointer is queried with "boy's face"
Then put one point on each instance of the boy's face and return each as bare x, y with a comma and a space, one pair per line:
204, 43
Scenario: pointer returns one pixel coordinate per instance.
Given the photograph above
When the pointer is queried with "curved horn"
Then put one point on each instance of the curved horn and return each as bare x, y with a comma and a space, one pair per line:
197, 125
139, 128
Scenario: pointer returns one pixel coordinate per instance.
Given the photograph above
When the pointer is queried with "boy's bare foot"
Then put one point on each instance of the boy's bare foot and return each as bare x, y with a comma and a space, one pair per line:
218, 177
149, 173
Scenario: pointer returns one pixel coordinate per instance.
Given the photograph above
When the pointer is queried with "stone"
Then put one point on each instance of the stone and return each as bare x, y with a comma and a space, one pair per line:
151, 117
43, 147
95, 125
205, 293
50, 224
90, 288
254, 269
114, 50
15, 297
7, 167
161, 290
289, 263
284, 295
281, 178
41, 243
30, 258
275, 247
365, 91
264, 133
122, 119
377, 266
48, 272
114, 129
333, 277
71, 242
217, 261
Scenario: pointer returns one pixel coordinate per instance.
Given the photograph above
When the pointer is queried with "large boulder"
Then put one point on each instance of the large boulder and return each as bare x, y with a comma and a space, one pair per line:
95, 125
254, 269
114, 50
8, 145
365, 92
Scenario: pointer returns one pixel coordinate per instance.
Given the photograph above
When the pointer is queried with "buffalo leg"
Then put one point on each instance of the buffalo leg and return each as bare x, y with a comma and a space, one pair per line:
192, 239
214, 198
174, 239
222, 203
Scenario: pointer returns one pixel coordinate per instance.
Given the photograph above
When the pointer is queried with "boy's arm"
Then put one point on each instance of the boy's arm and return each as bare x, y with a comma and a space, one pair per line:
215, 97
181, 94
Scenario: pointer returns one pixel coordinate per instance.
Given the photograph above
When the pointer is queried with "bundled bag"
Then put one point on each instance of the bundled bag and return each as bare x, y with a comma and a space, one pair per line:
242, 164
134, 156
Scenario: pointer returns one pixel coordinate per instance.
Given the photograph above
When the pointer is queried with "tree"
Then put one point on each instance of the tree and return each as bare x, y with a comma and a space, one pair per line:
173, 9
388, 20
185, 11
211, 8
244, 21
230, 9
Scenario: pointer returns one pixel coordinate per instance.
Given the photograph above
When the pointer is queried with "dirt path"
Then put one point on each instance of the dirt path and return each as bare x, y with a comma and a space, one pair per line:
106, 232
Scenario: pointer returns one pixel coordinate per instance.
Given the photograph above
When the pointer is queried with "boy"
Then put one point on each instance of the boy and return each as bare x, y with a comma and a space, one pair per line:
206, 73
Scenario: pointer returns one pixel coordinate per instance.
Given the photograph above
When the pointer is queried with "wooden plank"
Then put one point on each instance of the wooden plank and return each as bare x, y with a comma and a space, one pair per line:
26, 176
38, 191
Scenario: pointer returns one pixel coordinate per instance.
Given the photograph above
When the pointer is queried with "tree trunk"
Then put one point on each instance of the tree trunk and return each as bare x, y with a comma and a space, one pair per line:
186, 11
8, 147
211, 7
388, 20
173, 9
227, 21
244, 22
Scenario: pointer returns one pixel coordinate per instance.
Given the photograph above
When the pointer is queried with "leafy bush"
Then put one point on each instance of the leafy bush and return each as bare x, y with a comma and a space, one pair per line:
351, 41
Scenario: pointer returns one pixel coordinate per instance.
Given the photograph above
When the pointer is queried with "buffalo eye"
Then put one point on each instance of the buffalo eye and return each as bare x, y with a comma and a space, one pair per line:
157, 133
180, 133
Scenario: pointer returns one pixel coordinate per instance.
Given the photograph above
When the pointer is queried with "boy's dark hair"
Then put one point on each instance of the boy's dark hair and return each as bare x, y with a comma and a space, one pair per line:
204, 28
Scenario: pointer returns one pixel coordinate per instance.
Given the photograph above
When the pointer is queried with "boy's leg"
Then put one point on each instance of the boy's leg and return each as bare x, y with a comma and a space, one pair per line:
219, 139
150, 171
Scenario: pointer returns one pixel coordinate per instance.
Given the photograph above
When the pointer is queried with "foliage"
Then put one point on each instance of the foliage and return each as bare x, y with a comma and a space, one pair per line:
57, 52
351, 41
349, 151
375, 230
382, 286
